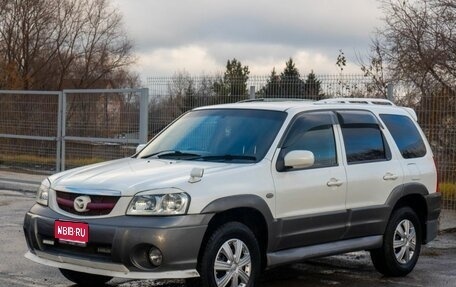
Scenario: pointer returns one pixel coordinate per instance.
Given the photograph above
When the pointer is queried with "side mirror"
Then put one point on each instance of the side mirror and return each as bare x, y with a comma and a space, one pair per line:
140, 147
299, 159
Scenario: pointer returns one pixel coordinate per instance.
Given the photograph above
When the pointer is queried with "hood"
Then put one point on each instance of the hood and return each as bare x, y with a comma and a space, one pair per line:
131, 175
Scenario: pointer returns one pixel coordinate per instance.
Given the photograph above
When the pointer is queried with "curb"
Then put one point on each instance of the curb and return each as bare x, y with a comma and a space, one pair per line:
30, 187
10, 180
447, 230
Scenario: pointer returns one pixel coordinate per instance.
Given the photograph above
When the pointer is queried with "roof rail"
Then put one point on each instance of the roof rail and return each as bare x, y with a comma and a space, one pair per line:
275, 100
369, 101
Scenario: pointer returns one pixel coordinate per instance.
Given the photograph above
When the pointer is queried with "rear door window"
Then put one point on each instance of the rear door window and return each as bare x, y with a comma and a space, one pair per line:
407, 137
363, 137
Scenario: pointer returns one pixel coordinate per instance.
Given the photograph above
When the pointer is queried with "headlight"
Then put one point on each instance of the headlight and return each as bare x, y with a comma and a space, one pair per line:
42, 196
159, 204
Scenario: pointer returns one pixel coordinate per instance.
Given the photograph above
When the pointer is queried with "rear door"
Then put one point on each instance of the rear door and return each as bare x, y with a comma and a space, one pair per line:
373, 171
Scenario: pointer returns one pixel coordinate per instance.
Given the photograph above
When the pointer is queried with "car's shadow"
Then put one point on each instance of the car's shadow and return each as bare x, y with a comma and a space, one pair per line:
341, 270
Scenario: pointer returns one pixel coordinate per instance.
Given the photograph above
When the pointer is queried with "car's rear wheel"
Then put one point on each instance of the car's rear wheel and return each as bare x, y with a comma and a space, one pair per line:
85, 279
401, 244
231, 258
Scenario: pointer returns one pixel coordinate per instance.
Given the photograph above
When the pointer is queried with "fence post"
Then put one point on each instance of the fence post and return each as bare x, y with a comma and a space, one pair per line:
58, 166
144, 115
252, 93
390, 91
63, 132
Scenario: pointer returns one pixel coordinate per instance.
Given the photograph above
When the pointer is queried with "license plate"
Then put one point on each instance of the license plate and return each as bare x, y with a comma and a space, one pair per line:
71, 232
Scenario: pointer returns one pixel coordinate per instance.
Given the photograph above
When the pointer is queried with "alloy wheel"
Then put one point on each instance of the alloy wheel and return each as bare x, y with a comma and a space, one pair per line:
232, 266
404, 241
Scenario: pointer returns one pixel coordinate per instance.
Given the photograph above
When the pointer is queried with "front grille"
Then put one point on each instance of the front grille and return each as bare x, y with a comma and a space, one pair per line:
99, 204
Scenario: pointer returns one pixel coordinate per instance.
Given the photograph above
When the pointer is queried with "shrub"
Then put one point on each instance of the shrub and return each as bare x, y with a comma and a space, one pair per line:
448, 190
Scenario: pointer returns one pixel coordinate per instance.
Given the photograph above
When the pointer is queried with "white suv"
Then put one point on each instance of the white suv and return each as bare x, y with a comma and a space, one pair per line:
226, 191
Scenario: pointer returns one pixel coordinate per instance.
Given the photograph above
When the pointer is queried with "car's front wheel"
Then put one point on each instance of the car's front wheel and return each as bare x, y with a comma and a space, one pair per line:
85, 279
231, 258
401, 244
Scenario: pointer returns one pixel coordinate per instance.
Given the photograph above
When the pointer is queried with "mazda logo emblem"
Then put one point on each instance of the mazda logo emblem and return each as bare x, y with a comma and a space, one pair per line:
81, 202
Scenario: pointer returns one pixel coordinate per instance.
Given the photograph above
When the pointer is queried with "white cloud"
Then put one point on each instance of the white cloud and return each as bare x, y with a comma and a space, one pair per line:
201, 35
159, 62
199, 60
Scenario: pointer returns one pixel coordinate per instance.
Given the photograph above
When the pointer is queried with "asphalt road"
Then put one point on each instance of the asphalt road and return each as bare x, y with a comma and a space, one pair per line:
436, 266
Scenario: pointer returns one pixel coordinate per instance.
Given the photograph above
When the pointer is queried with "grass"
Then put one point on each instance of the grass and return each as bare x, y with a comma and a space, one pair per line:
24, 159
35, 160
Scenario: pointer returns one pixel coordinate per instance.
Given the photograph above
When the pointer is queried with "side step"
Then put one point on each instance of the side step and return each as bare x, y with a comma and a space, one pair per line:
321, 250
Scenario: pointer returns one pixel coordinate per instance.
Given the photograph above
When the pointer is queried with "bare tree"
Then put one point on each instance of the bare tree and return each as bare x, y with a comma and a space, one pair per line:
418, 43
375, 70
55, 44
416, 47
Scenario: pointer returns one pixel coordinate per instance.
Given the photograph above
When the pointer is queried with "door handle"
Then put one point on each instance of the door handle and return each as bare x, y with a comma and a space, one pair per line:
334, 182
390, 176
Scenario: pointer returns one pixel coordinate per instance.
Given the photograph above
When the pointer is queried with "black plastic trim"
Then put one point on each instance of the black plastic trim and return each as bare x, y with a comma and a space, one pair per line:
333, 248
247, 201
311, 229
366, 221
433, 202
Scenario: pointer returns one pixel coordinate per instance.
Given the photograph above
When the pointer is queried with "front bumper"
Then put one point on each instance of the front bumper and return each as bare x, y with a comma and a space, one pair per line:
118, 246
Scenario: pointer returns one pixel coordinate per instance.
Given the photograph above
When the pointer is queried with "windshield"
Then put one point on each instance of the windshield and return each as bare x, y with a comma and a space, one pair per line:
234, 135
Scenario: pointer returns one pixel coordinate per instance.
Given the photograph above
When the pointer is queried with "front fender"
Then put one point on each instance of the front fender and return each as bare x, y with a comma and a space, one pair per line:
247, 201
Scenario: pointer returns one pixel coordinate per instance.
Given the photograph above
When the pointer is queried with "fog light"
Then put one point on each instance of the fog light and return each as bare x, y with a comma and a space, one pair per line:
155, 256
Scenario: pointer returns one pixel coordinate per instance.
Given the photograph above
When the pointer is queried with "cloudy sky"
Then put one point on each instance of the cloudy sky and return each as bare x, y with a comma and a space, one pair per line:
200, 35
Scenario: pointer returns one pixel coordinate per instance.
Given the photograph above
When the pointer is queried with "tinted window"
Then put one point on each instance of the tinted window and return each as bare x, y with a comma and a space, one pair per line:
238, 134
313, 132
362, 137
406, 135
356, 117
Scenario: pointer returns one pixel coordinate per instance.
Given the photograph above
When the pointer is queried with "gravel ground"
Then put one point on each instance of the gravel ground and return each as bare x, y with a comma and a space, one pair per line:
435, 267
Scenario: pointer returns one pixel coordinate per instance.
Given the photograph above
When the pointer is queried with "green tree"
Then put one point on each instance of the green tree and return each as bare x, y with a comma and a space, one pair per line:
292, 86
290, 70
313, 87
272, 87
233, 85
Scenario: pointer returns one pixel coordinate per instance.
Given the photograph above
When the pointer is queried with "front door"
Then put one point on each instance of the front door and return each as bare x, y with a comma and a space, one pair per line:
310, 202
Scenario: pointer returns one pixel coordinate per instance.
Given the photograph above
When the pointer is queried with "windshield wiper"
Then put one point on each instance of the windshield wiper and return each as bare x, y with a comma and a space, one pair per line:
171, 153
229, 157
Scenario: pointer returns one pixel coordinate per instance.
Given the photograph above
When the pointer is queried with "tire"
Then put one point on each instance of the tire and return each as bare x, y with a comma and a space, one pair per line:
401, 249
225, 243
85, 279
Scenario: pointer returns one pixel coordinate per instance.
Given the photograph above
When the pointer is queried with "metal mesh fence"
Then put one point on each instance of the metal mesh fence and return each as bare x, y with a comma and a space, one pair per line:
28, 130
437, 117
39, 135
107, 115
27, 154
172, 96
100, 126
